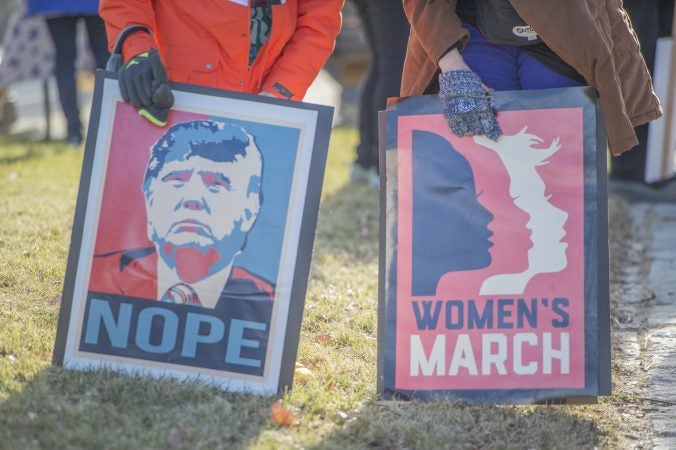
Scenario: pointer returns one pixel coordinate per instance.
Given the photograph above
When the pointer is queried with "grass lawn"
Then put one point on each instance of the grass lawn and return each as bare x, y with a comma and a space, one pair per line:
333, 403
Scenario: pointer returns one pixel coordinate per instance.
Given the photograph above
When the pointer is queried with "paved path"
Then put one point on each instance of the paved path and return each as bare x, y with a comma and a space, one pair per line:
659, 347
643, 289
29, 99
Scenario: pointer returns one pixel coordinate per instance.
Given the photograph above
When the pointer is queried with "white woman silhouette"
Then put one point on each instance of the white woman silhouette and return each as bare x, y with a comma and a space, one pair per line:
521, 156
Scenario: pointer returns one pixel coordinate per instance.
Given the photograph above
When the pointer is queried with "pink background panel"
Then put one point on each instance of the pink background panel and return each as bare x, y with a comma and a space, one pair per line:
563, 178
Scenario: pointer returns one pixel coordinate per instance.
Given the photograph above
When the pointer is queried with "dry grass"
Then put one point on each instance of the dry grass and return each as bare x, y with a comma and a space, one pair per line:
333, 405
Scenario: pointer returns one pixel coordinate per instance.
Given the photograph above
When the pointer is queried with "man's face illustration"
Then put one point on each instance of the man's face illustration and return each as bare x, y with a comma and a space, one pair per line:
199, 201
203, 201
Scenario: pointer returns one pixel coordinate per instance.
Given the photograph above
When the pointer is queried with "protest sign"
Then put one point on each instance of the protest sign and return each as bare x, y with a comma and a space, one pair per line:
191, 243
494, 254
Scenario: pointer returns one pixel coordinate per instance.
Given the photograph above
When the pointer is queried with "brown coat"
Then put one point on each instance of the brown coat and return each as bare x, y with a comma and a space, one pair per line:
593, 36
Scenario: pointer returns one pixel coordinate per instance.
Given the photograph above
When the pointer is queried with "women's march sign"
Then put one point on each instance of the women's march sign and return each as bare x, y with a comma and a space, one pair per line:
494, 283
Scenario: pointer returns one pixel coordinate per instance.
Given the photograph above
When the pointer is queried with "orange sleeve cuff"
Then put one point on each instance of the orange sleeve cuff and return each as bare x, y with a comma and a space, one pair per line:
135, 44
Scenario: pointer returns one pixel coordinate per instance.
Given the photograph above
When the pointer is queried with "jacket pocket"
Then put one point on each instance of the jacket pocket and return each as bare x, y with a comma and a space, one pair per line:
192, 65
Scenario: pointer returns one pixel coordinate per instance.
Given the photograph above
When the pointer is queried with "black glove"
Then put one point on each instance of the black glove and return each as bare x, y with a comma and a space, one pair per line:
144, 83
467, 107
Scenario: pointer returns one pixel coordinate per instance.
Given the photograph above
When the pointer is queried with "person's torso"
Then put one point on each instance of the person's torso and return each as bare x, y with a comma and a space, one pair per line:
210, 45
498, 21
500, 24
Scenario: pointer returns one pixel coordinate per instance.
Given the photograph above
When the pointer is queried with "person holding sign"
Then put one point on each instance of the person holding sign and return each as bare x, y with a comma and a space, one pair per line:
464, 48
225, 44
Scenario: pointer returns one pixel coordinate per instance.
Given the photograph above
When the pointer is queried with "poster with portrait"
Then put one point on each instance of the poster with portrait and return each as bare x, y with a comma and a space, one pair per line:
191, 243
494, 254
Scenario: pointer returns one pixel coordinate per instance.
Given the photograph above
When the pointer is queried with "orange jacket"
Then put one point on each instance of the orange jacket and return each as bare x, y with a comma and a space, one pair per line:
206, 42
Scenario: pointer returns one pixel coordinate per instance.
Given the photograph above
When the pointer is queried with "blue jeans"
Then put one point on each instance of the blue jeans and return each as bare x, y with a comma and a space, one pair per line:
508, 67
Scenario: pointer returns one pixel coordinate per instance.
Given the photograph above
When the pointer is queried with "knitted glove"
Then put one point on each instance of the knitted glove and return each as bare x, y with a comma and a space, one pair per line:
467, 107
144, 83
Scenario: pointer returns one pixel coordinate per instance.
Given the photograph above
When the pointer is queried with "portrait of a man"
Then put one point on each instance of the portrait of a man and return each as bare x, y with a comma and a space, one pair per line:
203, 193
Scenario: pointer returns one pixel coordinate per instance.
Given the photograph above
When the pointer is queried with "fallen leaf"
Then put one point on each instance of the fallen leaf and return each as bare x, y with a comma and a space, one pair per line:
323, 338
282, 416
